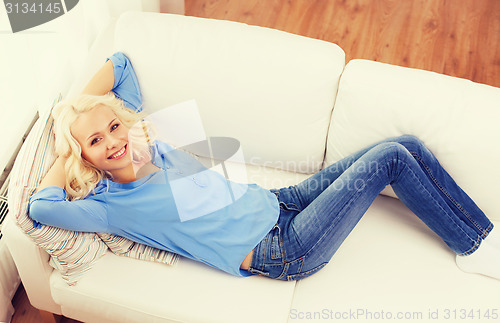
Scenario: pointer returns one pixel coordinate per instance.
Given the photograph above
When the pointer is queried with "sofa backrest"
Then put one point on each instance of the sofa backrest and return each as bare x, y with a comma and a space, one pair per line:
272, 91
456, 118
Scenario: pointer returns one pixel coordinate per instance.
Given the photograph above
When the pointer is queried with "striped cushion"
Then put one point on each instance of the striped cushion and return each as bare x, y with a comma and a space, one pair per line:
124, 247
72, 253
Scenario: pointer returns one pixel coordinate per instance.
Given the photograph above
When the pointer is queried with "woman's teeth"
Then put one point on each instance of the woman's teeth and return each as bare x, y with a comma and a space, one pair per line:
118, 153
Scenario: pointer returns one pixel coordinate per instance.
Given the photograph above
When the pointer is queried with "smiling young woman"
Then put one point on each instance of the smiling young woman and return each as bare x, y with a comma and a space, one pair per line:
102, 183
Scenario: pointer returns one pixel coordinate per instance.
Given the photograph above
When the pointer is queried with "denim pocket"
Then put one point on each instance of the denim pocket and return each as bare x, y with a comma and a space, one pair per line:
276, 244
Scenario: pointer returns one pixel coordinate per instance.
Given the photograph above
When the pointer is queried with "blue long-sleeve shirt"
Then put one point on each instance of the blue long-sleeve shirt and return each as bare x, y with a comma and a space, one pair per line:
184, 207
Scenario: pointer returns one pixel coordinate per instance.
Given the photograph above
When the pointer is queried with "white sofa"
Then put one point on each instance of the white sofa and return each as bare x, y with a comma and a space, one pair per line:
294, 106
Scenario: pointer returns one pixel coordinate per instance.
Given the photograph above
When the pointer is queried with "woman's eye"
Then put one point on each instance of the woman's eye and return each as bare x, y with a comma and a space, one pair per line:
94, 141
113, 127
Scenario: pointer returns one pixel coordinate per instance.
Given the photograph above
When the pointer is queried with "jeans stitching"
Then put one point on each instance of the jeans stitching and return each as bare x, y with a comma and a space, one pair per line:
290, 208
282, 246
445, 192
487, 231
280, 243
302, 263
416, 177
264, 253
471, 250
284, 271
308, 273
273, 251
301, 259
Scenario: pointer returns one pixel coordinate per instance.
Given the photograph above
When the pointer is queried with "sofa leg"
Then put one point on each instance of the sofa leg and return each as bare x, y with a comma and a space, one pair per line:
48, 317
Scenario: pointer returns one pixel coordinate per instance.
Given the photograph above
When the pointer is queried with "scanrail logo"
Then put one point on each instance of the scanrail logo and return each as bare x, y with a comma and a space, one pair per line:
25, 14
190, 160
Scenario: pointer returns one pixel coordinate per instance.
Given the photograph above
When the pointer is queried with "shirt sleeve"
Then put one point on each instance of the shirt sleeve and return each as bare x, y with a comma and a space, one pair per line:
50, 207
126, 85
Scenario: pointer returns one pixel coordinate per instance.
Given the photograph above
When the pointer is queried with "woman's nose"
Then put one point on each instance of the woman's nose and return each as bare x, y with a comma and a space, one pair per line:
112, 142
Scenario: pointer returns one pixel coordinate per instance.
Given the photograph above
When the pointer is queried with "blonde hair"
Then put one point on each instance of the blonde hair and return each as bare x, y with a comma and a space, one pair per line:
81, 176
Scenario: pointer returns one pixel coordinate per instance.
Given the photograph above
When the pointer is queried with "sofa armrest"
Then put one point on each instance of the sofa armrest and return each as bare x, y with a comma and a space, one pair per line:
33, 266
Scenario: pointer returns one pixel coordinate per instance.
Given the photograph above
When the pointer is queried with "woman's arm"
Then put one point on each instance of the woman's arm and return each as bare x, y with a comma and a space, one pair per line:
117, 75
55, 176
102, 82
50, 207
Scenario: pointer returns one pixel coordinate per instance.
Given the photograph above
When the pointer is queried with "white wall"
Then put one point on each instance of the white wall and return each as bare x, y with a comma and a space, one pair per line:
35, 65
38, 63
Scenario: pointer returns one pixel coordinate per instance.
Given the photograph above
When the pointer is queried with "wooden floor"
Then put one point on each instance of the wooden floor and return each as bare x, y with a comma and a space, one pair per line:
454, 37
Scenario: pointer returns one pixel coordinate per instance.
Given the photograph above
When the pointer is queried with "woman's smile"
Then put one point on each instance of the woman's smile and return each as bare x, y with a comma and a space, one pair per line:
119, 154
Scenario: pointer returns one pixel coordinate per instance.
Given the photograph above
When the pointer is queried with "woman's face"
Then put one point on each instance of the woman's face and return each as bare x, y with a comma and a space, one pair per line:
104, 141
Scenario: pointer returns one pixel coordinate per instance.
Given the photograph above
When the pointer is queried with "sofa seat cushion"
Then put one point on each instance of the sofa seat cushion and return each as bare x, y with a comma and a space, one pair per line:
120, 289
392, 262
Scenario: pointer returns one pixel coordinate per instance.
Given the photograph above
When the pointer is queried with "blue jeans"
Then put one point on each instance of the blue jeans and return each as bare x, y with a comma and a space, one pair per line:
317, 214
